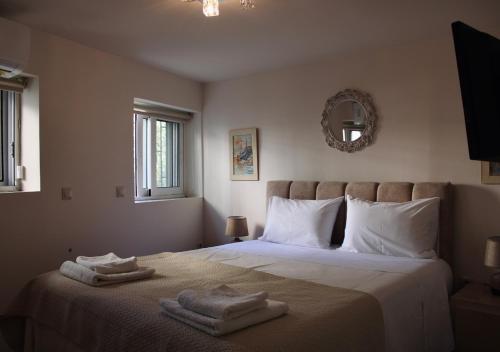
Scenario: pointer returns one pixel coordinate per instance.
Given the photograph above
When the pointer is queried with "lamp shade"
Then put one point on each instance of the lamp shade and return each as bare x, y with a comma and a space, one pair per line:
492, 255
236, 226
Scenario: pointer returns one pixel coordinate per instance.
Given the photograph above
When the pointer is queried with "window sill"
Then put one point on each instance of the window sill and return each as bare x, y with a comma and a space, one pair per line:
10, 189
161, 199
18, 192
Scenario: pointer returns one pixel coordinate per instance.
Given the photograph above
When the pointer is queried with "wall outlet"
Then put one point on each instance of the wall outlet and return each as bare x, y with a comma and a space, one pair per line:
66, 193
120, 191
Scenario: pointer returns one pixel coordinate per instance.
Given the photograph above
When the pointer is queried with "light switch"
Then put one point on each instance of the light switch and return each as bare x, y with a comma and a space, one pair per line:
120, 191
67, 193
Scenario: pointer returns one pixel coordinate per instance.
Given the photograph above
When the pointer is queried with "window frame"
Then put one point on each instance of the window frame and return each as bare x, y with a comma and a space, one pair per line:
145, 165
10, 106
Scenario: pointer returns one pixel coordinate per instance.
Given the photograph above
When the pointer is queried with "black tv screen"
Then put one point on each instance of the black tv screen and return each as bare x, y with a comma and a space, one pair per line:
478, 60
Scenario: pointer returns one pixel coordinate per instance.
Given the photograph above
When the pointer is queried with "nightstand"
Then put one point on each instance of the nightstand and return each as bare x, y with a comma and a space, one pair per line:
476, 318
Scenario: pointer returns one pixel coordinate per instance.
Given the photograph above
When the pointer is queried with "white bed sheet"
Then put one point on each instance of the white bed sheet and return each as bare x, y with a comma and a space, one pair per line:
413, 293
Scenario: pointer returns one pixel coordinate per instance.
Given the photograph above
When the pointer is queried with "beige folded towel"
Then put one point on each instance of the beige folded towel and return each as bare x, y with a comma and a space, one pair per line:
218, 327
109, 264
222, 302
80, 273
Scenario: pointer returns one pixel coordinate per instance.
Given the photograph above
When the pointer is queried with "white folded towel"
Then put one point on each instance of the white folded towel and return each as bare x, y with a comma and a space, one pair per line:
218, 327
222, 302
83, 274
109, 264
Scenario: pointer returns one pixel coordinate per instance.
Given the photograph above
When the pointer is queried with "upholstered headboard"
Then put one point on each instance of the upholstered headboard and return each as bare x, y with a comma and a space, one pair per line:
373, 191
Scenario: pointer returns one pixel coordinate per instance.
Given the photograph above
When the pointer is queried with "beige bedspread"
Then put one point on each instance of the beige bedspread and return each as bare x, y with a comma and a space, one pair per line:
125, 317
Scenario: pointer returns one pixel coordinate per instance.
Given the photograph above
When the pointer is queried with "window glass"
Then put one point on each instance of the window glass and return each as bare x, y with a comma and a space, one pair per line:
167, 137
158, 157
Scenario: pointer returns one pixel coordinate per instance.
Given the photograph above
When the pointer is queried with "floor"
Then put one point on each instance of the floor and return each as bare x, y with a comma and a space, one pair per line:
3, 346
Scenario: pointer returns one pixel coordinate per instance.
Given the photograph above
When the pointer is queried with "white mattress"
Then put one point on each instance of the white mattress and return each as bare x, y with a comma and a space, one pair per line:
413, 293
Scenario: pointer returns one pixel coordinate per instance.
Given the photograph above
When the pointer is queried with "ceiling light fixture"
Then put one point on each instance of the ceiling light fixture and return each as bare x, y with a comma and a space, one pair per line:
211, 7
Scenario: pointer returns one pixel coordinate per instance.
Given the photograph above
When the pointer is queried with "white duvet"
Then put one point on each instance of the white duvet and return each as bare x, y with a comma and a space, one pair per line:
413, 293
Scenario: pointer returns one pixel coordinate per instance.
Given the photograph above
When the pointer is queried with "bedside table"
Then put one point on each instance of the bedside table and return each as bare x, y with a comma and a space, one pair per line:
476, 319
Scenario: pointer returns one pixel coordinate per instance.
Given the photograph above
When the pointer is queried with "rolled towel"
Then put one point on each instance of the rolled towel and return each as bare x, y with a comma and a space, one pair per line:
109, 264
222, 302
80, 273
218, 327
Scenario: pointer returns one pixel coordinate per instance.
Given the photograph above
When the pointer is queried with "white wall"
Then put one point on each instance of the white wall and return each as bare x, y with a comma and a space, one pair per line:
421, 137
86, 99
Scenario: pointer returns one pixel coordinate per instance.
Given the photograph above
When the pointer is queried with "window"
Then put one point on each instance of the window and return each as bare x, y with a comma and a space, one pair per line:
352, 133
9, 135
158, 156
19, 134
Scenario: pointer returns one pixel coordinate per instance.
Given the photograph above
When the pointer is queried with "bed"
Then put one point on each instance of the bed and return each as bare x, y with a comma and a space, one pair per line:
339, 301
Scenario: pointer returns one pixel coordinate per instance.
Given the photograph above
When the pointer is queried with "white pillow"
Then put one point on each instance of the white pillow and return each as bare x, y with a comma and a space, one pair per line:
398, 229
306, 223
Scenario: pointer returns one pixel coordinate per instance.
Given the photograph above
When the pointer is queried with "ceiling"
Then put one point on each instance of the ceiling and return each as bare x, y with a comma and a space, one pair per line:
175, 36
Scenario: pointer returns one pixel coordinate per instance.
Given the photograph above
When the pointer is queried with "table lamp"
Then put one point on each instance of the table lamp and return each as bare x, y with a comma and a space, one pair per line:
492, 260
236, 226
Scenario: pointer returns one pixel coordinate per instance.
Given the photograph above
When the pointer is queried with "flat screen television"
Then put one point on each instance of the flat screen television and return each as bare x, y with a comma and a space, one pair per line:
478, 60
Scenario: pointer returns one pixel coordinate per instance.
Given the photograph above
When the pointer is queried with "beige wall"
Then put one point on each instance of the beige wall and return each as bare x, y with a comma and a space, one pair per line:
421, 137
85, 102
86, 98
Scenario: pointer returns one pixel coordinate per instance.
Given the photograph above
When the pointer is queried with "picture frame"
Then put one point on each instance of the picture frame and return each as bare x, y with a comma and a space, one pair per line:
490, 172
244, 154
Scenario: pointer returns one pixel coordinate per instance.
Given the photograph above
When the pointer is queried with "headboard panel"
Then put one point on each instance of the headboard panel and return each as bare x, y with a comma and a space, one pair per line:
303, 190
383, 192
278, 189
362, 190
397, 192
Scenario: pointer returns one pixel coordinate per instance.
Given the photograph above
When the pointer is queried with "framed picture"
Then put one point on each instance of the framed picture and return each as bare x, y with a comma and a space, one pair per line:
244, 158
490, 172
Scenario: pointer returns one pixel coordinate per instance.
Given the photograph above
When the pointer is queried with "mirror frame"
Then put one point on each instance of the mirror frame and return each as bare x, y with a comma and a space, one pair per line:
366, 101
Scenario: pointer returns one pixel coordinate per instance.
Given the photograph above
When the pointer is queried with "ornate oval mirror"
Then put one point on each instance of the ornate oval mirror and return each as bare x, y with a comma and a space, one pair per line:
349, 120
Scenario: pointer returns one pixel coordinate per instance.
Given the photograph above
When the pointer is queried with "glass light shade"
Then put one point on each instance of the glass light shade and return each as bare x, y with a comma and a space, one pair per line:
247, 4
211, 8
